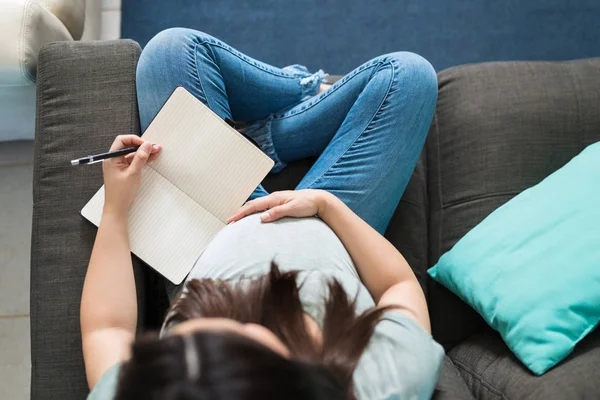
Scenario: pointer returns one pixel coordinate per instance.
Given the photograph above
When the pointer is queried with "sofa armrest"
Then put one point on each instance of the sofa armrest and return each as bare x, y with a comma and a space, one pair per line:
85, 97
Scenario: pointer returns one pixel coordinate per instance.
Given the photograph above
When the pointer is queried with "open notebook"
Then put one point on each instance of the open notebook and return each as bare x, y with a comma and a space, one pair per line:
204, 173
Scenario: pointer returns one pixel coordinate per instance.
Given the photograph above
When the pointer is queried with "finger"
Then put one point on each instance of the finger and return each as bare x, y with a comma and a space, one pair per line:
129, 158
140, 157
249, 208
123, 141
260, 204
155, 151
275, 213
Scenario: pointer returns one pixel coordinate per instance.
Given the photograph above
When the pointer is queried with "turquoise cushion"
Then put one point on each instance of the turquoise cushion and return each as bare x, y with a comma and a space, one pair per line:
532, 267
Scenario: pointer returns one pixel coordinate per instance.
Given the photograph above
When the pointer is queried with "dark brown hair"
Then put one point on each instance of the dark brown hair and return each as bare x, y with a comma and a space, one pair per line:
235, 367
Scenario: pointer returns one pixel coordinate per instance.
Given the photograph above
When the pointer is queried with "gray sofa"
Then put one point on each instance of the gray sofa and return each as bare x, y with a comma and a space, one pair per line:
499, 128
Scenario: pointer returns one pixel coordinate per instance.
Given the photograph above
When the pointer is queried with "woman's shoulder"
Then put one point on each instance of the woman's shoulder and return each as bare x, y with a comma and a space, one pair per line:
402, 360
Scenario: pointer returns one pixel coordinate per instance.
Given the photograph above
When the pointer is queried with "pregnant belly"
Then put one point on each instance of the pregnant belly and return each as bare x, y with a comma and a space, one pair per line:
247, 248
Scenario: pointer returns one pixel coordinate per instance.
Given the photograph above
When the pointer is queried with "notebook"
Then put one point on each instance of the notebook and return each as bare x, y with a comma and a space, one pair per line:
204, 173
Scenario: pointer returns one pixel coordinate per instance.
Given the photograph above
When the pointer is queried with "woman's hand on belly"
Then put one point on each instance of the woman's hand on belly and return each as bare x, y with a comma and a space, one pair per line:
287, 203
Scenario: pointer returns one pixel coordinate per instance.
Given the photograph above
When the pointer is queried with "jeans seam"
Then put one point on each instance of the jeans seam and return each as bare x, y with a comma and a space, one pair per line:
243, 58
326, 94
366, 127
198, 75
234, 52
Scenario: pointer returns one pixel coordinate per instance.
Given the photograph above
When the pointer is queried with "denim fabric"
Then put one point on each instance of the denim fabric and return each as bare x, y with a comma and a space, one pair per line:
367, 130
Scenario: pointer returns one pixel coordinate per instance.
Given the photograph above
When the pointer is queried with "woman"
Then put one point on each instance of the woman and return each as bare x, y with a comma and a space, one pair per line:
340, 315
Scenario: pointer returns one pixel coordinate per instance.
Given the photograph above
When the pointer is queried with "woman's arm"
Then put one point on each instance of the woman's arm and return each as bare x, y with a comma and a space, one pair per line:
108, 313
382, 268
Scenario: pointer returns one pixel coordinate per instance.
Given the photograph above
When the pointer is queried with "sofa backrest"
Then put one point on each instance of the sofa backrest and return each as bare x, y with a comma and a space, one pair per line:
499, 128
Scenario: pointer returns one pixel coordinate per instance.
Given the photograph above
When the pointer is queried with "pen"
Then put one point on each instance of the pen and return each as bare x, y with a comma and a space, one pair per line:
103, 156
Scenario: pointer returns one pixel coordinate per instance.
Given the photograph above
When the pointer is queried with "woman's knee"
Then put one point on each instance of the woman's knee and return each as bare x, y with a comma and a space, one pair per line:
174, 37
167, 61
412, 72
167, 47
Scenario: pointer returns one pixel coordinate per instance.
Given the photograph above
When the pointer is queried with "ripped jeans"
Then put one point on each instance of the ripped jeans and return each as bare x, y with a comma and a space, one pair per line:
367, 130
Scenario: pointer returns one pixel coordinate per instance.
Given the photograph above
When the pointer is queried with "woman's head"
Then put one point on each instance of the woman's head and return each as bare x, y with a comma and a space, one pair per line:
248, 341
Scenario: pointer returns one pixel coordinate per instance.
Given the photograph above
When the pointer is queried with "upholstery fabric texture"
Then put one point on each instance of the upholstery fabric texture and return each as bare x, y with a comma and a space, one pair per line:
450, 385
492, 372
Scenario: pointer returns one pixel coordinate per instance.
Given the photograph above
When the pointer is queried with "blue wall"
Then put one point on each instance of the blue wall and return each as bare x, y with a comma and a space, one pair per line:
339, 35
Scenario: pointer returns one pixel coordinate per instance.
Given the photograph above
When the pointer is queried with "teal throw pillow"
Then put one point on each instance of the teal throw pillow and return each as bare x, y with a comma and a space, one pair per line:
532, 267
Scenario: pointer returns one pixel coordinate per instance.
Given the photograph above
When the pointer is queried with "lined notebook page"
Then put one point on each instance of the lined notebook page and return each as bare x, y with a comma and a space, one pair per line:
204, 157
167, 229
204, 173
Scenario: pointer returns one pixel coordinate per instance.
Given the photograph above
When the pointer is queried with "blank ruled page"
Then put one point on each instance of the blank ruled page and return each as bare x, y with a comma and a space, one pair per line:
204, 157
204, 173
167, 229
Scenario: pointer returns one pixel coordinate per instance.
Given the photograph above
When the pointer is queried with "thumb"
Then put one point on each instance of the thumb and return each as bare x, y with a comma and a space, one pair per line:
141, 157
278, 212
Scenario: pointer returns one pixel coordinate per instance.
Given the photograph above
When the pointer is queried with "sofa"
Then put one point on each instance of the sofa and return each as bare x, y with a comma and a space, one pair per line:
498, 129
25, 26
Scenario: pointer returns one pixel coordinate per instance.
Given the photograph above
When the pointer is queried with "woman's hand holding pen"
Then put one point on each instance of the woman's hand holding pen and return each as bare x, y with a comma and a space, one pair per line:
122, 174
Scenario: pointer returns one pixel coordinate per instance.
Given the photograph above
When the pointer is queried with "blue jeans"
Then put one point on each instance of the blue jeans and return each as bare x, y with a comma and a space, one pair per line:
367, 130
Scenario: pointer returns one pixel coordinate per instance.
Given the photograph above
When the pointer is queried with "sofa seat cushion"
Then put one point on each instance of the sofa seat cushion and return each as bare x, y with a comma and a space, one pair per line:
451, 385
492, 372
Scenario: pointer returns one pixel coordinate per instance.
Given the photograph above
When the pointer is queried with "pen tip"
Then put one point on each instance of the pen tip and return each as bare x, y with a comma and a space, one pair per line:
74, 162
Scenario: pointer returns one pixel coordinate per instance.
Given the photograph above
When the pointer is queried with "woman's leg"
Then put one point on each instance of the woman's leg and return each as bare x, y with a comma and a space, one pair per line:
367, 130
232, 84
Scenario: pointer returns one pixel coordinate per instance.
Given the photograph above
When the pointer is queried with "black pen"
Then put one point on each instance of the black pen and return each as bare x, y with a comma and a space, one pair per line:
103, 156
